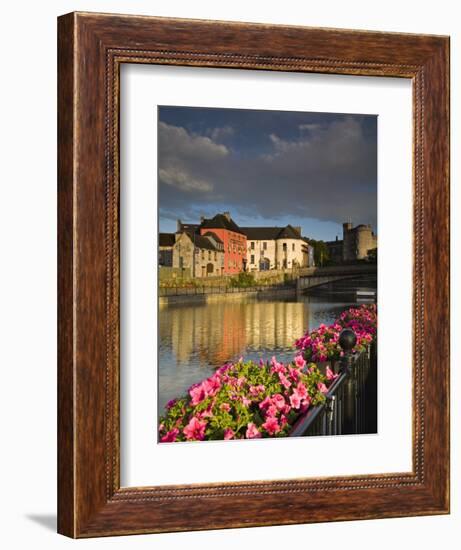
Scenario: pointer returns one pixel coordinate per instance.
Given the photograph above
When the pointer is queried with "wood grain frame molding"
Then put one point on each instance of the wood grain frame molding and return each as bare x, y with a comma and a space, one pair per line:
91, 49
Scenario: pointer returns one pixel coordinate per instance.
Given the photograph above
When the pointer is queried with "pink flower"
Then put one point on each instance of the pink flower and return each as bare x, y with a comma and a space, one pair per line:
284, 380
305, 404
322, 388
228, 433
206, 413
223, 369
301, 390
295, 400
225, 407
294, 374
265, 403
277, 367
211, 385
197, 394
271, 410
256, 390
271, 425
330, 374
246, 402
170, 436
300, 362
252, 431
195, 430
278, 401
286, 409
241, 381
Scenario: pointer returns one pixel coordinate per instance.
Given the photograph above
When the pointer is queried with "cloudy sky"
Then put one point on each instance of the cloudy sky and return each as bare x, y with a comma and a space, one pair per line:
314, 170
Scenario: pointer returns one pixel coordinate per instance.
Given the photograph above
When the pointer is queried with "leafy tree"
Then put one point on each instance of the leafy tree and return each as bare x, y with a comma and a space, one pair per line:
321, 253
372, 255
243, 279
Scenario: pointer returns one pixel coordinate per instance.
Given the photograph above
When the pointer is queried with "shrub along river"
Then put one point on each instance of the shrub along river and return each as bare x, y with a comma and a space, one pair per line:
194, 339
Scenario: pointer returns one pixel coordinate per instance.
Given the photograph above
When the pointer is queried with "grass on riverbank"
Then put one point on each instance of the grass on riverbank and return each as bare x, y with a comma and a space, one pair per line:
242, 280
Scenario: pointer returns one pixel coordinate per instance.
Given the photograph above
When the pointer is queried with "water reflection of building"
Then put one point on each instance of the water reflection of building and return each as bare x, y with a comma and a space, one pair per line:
274, 324
214, 333
210, 334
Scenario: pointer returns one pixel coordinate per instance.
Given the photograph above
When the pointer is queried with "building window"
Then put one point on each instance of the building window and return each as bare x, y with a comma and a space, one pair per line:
252, 259
284, 247
203, 254
264, 246
215, 256
293, 247
209, 254
252, 245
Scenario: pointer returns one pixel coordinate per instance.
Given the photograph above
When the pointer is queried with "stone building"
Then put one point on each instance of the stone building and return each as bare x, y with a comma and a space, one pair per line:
201, 255
276, 248
357, 241
230, 235
233, 239
165, 249
355, 244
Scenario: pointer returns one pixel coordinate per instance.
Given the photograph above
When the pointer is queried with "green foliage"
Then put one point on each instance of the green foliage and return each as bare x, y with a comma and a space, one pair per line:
321, 252
243, 396
372, 255
243, 280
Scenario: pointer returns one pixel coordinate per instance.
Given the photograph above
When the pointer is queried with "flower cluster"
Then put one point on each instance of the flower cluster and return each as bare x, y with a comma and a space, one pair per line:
322, 344
246, 400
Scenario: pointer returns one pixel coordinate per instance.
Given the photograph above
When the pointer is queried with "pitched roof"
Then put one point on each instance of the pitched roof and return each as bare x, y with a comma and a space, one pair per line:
166, 239
204, 242
200, 241
213, 236
261, 233
189, 227
271, 233
289, 232
220, 221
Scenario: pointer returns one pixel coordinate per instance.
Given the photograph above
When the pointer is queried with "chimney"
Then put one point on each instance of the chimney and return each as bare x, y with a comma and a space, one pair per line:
227, 215
178, 225
202, 219
297, 228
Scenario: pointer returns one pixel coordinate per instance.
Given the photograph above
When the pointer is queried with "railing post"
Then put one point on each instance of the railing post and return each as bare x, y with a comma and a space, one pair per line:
347, 341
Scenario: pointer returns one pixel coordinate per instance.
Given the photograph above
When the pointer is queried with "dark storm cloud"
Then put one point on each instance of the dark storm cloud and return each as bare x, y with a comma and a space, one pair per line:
325, 169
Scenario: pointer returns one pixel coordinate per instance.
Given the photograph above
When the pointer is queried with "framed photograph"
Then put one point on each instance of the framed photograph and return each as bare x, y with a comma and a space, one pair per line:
253, 259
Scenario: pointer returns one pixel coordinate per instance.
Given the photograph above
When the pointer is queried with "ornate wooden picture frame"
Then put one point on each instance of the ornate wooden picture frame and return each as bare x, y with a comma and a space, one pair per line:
92, 48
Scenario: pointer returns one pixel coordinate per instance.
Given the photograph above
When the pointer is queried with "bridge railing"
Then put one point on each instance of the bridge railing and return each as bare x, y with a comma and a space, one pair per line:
351, 402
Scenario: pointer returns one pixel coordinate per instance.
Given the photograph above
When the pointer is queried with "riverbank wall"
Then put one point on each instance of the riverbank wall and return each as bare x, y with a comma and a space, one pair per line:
206, 295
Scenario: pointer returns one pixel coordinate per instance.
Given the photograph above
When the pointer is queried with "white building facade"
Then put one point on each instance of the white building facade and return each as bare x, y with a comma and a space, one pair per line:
275, 248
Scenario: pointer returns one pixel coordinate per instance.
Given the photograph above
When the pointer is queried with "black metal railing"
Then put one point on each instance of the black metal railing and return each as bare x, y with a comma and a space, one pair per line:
351, 401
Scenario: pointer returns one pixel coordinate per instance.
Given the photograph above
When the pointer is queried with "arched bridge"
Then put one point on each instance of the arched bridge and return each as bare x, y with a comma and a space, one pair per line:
312, 277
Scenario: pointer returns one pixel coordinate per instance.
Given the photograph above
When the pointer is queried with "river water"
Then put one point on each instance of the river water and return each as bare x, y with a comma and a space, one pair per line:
194, 339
